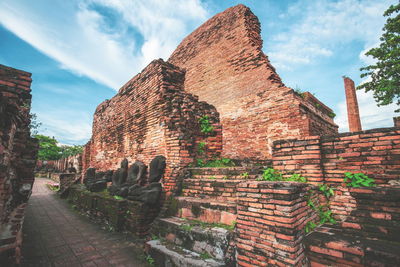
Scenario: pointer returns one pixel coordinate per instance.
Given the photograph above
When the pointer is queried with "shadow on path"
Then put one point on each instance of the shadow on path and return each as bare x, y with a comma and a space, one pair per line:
54, 235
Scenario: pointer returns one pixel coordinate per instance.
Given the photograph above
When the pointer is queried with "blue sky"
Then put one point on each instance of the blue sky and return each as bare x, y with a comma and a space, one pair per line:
81, 52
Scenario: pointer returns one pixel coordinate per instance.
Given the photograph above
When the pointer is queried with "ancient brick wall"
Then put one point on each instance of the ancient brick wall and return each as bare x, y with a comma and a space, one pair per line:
270, 222
61, 165
18, 153
375, 153
225, 66
152, 115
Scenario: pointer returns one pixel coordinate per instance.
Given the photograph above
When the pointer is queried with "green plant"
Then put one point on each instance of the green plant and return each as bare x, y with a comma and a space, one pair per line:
118, 198
317, 105
383, 75
326, 190
201, 147
155, 237
325, 216
358, 180
245, 175
212, 177
310, 226
200, 163
150, 260
295, 177
186, 227
205, 125
270, 174
205, 255
332, 115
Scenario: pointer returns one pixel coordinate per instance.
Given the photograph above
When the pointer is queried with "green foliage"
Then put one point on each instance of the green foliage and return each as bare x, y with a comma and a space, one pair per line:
67, 151
358, 180
310, 226
118, 198
295, 177
270, 174
205, 125
332, 115
201, 148
245, 175
53, 187
216, 163
150, 260
326, 190
186, 227
325, 216
34, 124
384, 74
205, 255
48, 149
212, 177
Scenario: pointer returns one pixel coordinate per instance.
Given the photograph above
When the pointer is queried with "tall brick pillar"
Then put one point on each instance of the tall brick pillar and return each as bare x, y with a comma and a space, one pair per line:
396, 121
352, 105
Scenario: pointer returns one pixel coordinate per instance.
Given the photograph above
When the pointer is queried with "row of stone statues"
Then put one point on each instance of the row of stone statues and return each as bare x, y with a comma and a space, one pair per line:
131, 183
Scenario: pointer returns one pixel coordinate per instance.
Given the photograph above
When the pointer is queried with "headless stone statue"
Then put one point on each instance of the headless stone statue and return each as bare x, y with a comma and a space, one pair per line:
119, 178
157, 169
94, 181
136, 173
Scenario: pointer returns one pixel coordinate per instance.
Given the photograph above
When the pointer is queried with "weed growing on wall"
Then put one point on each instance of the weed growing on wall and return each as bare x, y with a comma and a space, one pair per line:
324, 213
270, 174
358, 180
205, 125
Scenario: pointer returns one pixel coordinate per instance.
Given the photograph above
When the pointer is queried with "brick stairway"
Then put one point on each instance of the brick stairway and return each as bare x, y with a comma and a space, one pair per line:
201, 231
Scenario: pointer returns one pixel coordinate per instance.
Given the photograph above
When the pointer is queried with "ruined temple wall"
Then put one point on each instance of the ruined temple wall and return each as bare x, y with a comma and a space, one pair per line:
18, 153
226, 67
325, 159
151, 115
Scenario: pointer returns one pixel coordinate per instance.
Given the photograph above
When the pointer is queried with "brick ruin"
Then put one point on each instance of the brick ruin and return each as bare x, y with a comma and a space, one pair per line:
226, 67
226, 216
18, 153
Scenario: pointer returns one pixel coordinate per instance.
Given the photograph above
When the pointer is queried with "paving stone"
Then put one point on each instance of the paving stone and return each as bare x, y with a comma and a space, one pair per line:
54, 235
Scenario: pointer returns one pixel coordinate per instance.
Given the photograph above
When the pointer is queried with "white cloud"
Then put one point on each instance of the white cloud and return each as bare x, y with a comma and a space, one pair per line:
84, 40
318, 27
371, 115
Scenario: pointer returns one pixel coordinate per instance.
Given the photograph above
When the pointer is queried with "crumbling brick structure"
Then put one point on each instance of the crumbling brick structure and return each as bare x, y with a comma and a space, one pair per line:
152, 115
17, 158
353, 113
225, 66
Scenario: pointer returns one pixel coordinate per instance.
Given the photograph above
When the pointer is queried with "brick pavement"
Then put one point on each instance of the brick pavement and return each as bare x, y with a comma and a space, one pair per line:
54, 235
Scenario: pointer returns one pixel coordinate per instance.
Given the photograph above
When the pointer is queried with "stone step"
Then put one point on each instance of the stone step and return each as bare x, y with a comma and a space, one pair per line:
361, 218
206, 209
166, 255
196, 236
233, 173
218, 189
331, 247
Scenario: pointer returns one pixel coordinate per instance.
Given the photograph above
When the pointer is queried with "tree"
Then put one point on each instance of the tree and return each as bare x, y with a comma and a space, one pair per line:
67, 151
385, 73
48, 149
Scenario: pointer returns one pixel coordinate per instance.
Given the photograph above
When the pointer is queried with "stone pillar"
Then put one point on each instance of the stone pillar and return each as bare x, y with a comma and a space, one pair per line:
396, 121
352, 105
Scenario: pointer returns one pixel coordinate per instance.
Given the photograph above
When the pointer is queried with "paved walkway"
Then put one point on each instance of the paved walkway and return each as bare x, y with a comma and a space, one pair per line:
54, 235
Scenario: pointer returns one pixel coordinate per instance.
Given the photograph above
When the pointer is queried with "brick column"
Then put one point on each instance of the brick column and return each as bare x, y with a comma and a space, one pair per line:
396, 121
352, 106
270, 222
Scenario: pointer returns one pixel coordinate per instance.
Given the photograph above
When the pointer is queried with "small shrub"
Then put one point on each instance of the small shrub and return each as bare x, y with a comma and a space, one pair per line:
205, 255
326, 190
310, 226
150, 260
270, 174
295, 177
205, 125
358, 180
216, 163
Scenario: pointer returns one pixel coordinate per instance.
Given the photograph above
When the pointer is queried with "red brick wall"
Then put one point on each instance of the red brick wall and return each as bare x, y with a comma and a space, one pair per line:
151, 115
270, 222
18, 153
325, 159
226, 67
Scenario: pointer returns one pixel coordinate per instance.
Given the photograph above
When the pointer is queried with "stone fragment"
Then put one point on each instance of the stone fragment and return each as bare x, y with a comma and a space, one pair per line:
157, 168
